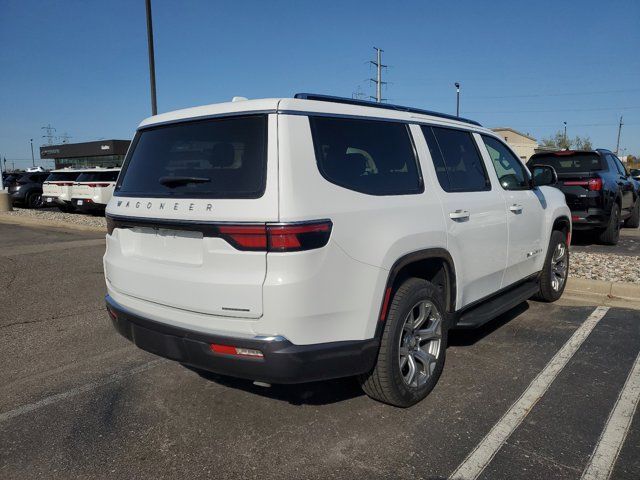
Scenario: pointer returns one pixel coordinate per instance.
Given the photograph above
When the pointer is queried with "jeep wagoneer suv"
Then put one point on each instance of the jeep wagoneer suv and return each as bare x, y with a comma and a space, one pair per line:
291, 240
93, 189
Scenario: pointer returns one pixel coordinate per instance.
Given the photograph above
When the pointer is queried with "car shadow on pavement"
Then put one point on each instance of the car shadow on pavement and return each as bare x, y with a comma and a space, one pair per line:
466, 338
313, 393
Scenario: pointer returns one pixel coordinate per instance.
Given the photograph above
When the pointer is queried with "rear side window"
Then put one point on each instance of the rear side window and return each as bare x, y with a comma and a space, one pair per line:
570, 162
98, 177
368, 156
214, 158
63, 176
459, 166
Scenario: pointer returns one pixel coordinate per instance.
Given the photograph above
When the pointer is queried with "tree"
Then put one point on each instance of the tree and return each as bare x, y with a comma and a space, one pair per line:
559, 142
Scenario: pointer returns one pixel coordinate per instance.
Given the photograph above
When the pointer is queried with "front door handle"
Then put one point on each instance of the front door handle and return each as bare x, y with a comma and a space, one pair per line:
459, 215
515, 208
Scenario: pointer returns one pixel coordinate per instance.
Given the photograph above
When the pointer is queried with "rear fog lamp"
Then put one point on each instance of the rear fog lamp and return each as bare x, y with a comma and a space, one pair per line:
237, 351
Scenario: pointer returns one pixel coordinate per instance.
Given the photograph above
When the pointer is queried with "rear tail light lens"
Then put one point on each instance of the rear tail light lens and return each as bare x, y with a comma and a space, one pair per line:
278, 237
595, 184
94, 185
236, 351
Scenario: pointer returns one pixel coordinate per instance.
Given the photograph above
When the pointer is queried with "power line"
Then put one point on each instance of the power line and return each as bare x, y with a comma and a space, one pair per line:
535, 95
557, 110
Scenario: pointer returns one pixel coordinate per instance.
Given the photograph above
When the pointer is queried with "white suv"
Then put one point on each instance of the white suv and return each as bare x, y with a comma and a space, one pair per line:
291, 240
93, 189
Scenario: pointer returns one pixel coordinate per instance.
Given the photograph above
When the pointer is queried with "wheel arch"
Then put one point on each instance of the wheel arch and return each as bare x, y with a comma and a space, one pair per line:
433, 264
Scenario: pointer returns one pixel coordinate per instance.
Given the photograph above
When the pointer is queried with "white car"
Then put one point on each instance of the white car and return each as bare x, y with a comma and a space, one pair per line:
56, 190
93, 189
299, 239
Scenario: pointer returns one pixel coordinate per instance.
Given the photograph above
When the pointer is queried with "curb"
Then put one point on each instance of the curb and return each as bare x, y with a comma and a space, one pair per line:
39, 222
614, 294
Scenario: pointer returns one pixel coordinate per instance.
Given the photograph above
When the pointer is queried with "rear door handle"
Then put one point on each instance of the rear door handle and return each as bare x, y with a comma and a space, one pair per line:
459, 215
515, 208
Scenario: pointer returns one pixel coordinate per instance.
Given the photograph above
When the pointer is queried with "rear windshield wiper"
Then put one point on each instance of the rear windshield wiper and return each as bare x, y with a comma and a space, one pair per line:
178, 181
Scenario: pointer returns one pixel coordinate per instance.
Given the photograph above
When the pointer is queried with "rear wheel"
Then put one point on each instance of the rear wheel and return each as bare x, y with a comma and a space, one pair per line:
553, 277
33, 200
413, 346
611, 234
634, 220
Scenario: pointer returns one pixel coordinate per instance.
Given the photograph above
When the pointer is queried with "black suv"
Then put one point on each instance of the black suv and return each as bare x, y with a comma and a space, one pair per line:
598, 189
27, 189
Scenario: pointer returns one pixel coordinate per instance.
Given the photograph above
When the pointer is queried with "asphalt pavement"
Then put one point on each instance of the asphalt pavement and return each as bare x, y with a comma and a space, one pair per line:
80, 401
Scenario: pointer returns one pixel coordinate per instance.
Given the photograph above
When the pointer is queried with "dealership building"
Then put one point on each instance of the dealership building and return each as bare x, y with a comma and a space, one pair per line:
103, 153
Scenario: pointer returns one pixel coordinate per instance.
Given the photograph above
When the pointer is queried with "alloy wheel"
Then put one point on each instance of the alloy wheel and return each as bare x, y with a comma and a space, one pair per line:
559, 267
420, 343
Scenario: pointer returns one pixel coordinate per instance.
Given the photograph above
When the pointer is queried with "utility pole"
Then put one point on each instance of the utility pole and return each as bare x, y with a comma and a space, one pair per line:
33, 160
565, 134
152, 62
457, 99
619, 130
378, 80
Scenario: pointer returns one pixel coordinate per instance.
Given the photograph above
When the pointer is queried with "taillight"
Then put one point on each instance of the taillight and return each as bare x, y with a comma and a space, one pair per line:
94, 185
66, 184
283, 237
595, 184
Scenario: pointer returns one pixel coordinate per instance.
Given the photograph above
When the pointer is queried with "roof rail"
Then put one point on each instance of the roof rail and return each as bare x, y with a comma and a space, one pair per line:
386, 106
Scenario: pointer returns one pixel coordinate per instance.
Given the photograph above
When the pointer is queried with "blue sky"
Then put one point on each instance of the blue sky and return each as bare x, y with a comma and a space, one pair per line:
82, 65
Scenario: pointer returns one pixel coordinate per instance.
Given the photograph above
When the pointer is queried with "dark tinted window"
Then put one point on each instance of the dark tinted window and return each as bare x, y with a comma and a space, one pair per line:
569, 162
511, 173
63, 176
216, 158
618, 164
459, 166
98, 177
367, 156
32, 178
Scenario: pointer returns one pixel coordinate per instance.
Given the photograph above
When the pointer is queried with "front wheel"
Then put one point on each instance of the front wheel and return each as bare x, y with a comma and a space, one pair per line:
553, 277
413, 346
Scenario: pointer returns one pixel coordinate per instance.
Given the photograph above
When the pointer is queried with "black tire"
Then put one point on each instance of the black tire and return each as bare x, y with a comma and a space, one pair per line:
33, 200
634, 220
611, 234
549, 290
386, 382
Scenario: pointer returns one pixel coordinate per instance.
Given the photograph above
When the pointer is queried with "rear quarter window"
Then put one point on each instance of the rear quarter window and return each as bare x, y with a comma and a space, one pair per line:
224, 158
368, 156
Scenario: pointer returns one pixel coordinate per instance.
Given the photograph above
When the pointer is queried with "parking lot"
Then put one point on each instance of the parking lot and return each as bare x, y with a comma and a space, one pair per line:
80, 401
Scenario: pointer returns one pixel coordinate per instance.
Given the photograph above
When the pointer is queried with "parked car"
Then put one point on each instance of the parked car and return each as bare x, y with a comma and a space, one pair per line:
57, 188
599, 191
635, 173
293, 240
26, 190
93, 189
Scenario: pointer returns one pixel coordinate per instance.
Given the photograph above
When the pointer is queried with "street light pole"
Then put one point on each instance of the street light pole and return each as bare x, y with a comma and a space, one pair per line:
33, 160
457, 99
152, 62
565, 134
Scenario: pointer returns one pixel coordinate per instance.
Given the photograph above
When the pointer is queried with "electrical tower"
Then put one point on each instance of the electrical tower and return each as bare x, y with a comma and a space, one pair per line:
49, 135
378, 80
359, 94
619, 130
64, 138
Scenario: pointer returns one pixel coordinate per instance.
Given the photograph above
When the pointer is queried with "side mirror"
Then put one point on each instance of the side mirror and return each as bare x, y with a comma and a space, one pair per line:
543, 175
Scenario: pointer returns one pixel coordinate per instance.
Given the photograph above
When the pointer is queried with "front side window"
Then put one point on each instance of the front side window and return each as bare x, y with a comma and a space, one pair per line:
511, 173
213, 158
368, 156
458, 164
616, 161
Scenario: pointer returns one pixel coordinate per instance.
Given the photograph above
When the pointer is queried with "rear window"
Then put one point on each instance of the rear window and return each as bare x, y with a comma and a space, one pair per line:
368, 156
574, 162
214, 158
98, 177
63, 176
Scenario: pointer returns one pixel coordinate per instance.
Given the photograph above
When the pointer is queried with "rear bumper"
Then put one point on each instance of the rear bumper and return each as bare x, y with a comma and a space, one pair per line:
591, 218
282, 361
51, 200
87, 205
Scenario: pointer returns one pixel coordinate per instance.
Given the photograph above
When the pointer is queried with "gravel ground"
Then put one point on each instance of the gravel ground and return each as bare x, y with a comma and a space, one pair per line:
595, 266
53, 214
605, 266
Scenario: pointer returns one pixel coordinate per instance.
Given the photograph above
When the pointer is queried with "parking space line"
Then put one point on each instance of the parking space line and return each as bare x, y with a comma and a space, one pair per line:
30, 407
481, 456
615, 432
